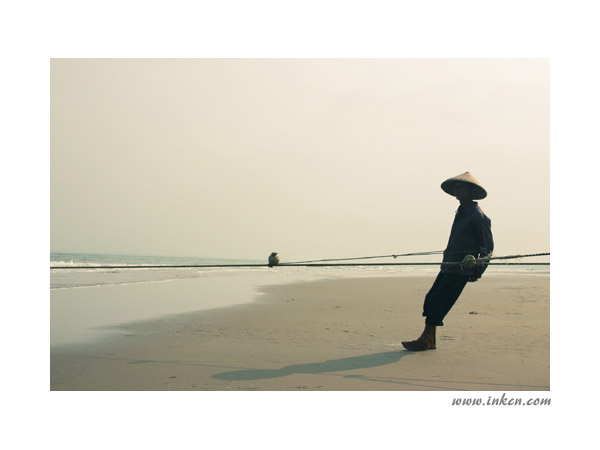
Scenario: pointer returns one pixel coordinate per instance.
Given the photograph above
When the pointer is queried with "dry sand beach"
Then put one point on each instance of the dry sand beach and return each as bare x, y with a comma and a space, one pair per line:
332, 334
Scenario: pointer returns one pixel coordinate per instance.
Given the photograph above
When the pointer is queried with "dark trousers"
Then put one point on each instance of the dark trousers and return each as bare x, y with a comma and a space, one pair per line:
446, 289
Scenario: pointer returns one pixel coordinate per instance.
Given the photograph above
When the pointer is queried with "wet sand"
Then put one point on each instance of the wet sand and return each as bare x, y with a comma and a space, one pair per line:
329, 335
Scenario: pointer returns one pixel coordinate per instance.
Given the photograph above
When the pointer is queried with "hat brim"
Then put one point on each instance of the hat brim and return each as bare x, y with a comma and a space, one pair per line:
479, 193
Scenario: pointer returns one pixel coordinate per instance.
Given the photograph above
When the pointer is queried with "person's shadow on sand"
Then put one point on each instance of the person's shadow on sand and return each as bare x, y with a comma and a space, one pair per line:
335, 365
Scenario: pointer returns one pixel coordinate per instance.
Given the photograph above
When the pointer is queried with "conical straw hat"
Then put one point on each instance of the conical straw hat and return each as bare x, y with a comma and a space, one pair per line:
479, 192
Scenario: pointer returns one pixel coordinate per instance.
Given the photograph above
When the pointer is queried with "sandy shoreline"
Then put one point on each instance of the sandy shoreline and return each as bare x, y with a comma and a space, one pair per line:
335, 334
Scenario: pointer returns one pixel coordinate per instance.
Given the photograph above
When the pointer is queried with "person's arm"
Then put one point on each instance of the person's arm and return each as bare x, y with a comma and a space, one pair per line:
486, 244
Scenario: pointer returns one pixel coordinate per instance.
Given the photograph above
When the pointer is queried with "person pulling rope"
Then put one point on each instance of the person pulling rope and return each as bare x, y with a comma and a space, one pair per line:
471, 229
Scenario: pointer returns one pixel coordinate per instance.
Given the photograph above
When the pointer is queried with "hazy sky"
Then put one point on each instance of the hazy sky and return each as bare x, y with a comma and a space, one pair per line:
236, 158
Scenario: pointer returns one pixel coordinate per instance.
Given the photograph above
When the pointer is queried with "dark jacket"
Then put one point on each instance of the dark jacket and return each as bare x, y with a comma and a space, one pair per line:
471, 235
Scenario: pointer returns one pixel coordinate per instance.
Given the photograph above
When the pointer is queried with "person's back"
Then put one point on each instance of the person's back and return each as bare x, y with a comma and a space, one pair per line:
470, 235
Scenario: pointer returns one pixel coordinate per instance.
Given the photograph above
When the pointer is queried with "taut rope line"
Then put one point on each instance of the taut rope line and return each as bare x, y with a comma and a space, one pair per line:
368, 257
520, 256
323, 262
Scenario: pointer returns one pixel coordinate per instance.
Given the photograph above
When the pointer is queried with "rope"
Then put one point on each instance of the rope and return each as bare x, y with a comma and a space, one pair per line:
520, 256
186, 266
292, 265
409, 254
320, 263
368, 257
480, 262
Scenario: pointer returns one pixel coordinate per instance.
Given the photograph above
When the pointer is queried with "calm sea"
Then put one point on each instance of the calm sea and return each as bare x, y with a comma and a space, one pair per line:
77, 277
58, 259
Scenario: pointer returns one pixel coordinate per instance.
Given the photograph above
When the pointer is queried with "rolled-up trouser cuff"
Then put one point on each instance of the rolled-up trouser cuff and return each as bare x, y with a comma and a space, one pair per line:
433, 321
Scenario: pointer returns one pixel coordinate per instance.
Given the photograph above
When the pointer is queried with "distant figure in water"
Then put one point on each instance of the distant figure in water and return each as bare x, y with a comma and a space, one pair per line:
273, 259
471, 234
